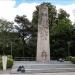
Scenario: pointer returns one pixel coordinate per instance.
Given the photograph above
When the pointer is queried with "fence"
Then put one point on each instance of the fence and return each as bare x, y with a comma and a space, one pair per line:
24, 58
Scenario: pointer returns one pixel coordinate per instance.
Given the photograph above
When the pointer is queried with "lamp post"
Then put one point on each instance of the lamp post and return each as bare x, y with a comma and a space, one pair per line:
11, 48
68, 48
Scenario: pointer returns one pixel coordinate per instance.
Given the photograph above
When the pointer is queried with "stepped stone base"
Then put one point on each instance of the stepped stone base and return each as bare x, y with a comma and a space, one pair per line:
38, 67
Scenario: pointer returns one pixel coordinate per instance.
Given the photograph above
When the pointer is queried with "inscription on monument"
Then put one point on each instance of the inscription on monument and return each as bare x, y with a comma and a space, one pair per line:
43, 32
44, 55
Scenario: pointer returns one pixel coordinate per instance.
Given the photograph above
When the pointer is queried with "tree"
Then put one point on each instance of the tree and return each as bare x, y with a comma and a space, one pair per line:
61, 30
24, 29
6, 28
62, 22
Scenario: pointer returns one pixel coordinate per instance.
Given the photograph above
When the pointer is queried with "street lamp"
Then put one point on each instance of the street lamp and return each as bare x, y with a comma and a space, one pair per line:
11, 48
68, 48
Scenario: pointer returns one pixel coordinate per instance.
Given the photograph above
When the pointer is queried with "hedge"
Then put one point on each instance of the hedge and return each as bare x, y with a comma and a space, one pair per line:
9, 63
73, 60
68, 58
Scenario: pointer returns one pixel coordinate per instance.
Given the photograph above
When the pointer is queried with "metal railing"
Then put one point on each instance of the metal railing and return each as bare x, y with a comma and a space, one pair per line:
24, 58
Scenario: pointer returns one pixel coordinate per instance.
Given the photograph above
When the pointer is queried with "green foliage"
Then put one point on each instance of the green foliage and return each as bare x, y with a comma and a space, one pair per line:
10, 57
0, 62
5, 29
5, 26
24, 30
61, 31
63, 23
24, 41
9, 62
68, 58
73, 60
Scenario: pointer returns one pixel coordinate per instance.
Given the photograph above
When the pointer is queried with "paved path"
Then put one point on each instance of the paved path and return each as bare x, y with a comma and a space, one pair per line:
5, 72
68, 73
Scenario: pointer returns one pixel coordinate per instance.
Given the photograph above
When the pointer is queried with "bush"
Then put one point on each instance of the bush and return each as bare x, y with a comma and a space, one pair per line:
9, 56
68, 58
0, 58
9, 63
73, 60
0, 64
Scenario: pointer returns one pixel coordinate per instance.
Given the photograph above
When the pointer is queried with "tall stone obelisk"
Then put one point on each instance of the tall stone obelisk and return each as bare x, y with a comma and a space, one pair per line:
43, 46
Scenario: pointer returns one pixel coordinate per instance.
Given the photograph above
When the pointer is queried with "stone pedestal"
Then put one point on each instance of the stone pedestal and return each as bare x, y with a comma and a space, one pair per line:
4, 62
43, 47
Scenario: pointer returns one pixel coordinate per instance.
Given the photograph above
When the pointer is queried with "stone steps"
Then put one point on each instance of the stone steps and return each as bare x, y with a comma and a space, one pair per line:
44, 67
52, 70
40, 66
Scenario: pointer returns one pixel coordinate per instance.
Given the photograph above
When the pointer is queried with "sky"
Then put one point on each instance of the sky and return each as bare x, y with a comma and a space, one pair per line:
61, 2
10, 8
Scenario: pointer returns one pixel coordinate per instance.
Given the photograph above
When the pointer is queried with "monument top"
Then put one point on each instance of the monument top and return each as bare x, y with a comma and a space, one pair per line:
43, 6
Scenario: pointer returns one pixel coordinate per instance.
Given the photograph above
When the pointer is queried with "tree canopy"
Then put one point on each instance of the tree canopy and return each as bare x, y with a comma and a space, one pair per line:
61, 31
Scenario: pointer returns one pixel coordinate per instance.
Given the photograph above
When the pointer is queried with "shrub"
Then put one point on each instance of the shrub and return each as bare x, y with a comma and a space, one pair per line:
73, 60
9, 63
0, 58
9, 56
68, 58
0, 64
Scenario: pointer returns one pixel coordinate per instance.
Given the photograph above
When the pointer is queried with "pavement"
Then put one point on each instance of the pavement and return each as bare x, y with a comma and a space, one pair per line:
67, 73
5, 72
8, 72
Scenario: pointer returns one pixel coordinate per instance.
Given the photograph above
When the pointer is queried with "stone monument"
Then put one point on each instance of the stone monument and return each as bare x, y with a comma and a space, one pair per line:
43, 46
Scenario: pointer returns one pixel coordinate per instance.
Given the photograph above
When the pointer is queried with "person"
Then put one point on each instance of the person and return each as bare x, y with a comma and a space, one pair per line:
61, 60
21, 69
